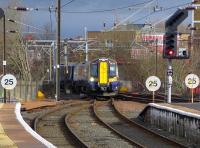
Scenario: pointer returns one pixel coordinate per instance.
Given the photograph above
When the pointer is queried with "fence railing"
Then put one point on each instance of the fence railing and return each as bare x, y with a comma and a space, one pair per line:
24, 91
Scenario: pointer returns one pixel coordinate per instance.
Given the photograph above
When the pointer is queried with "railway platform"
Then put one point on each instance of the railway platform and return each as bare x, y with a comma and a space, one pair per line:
179, 119
191, 107
13, 133
187, 109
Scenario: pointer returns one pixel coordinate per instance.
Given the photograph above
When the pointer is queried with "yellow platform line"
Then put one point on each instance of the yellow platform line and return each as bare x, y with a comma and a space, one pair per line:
5, 141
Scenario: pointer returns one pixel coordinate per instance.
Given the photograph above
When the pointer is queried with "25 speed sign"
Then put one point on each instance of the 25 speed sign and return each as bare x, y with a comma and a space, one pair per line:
153, 83
8, 81
192, 81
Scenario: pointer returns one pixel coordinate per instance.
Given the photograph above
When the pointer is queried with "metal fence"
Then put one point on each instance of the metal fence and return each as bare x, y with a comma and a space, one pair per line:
24, 91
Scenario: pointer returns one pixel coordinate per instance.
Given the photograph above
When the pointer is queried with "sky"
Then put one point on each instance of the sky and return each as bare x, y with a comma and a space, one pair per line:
73, 20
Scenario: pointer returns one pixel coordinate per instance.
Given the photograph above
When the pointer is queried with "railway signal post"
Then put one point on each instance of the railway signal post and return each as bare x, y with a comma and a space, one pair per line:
170, 44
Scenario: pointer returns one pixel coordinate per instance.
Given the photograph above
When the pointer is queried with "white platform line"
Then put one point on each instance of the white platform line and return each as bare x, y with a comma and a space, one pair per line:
29, 129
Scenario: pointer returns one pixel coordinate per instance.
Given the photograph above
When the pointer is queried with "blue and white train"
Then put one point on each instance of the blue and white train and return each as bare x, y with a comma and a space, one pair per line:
97, 77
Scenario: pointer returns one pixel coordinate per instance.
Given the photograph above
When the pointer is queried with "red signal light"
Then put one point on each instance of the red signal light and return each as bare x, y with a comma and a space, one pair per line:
170, 52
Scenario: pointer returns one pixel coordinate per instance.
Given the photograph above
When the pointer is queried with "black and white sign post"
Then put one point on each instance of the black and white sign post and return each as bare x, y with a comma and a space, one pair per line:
169, 78
8, 82
153, 83
192, 81
170, 44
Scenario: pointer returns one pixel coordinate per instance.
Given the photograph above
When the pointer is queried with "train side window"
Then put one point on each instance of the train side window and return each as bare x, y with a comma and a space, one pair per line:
112, 71
94, 70
70, 72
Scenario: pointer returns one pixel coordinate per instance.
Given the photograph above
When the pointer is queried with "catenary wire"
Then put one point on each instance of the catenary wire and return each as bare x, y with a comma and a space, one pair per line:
108, 10
67, 3
166, 9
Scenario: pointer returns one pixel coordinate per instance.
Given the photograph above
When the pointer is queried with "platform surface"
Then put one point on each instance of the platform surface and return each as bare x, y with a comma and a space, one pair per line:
193, 108
12, 134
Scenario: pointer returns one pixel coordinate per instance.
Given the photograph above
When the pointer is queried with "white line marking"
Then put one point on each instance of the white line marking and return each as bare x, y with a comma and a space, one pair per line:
29, 129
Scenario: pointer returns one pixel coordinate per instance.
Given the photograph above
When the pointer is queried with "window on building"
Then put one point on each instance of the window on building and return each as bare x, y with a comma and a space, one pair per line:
108, 43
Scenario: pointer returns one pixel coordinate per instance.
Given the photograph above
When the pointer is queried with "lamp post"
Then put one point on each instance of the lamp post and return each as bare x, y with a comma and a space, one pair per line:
2, 14
58, 51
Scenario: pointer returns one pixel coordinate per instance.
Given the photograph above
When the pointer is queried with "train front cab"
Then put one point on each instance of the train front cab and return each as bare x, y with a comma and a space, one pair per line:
104, 77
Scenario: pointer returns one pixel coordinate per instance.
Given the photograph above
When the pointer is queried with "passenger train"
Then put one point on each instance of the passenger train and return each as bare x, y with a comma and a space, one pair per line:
97, 77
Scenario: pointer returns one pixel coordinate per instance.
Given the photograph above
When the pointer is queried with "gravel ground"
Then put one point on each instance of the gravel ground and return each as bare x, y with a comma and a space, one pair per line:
129, 108
29, 116
108, 115
94, 134
88, 127
53, 128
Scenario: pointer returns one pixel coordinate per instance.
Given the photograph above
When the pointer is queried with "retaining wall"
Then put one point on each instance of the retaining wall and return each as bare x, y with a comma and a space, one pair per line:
177, 122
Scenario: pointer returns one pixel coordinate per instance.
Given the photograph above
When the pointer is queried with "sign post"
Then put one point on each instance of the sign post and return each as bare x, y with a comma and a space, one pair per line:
2, 14
153, 83
8, 82
192, 81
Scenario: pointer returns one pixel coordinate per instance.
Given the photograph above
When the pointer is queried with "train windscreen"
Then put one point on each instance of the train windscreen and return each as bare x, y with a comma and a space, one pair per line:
94, 70
112, 71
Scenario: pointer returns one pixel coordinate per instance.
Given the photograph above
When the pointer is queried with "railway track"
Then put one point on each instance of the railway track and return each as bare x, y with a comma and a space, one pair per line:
108, 114
85, 125
95, 124
147, 98
98, 104
142, 98
151, 132
51, 125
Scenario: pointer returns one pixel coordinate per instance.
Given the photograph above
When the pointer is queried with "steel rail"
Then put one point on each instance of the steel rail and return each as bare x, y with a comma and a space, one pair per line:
69, 104
74, 135
133, 123
159, 97
95, 106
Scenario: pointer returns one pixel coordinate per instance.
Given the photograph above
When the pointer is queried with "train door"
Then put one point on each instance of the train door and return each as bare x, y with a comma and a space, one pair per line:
103, 73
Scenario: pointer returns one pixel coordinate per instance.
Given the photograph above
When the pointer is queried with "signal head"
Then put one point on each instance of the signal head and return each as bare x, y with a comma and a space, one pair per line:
170, 52
170, 42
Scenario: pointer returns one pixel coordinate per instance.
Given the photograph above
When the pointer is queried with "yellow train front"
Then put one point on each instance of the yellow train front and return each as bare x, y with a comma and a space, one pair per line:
104, 77
97, 77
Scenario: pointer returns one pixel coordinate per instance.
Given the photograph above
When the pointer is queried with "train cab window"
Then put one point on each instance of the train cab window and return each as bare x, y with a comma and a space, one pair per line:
94, 70
112, 71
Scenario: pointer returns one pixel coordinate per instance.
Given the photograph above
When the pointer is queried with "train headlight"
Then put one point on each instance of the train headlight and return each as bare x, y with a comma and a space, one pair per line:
91, 79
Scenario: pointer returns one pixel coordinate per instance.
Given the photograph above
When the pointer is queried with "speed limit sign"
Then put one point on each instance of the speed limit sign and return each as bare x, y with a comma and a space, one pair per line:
8, 81
192, 81
153, 83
